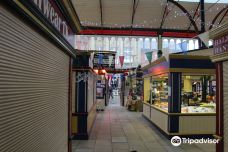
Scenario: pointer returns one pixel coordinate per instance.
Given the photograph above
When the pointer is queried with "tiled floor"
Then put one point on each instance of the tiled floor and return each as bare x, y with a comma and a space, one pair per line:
118, 130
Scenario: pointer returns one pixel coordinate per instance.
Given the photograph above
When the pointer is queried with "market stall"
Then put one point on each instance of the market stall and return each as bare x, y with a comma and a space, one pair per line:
179, 98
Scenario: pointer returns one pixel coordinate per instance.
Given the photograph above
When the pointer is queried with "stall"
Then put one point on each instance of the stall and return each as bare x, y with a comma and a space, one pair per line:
220, 57
84, 97
179, 95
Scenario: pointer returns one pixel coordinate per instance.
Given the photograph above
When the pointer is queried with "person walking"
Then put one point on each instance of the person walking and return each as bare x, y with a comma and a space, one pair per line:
110, 93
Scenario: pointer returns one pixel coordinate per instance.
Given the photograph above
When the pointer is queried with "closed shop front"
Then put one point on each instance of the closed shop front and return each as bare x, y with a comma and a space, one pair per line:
34, 87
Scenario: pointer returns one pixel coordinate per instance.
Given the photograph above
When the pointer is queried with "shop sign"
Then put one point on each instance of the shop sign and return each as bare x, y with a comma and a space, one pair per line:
221, 45
51, 11
101, 60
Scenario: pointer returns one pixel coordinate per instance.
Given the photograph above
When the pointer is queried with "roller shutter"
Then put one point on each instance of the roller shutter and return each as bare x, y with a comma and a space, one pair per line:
34, 75
225, 95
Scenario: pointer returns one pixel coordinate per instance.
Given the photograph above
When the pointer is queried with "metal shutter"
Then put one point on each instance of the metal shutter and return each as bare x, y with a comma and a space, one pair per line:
34, 75
225, 104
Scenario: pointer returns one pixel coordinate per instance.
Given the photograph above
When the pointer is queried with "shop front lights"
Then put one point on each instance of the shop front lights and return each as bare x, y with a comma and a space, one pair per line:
96, 71
103, 71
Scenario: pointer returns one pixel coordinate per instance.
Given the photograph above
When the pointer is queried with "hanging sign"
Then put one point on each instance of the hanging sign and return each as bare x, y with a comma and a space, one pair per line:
221, 45
50, 10
102, 60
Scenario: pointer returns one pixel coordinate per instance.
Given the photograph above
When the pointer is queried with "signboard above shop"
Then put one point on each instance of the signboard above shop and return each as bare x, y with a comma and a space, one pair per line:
221, 45
50, 10
104, 60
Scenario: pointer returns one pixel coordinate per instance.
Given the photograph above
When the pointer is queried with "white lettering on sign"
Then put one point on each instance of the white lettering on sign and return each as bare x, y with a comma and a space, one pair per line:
221, 45
49, 11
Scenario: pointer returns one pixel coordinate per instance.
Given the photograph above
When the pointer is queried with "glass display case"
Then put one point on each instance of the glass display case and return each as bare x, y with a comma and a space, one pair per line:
198, 94
159, 91
181, 94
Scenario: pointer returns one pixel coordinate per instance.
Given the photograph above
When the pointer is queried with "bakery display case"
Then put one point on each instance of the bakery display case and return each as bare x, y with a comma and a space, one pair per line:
159, 91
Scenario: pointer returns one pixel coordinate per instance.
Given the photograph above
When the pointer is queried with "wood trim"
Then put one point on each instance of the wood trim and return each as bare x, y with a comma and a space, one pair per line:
219, 105
220, 57
186, 70
82, 69
219, 31
183, 70
79, 113
182, 56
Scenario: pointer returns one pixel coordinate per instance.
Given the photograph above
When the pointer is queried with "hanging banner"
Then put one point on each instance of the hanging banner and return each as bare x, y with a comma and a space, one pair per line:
121, 58
149, 56
105, 63
110, 58
165, 53
205, 38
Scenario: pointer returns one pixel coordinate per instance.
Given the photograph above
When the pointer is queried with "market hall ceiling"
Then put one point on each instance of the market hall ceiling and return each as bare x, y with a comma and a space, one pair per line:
157, 15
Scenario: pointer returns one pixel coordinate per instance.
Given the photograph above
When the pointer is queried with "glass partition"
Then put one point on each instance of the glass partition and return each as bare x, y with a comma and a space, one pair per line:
198, 94
159, 91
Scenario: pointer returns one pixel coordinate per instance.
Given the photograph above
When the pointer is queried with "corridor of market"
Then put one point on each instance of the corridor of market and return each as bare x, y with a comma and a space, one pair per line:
113, 75
118, 130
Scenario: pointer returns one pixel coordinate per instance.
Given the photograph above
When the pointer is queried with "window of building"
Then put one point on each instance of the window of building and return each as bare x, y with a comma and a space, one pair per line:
165, 43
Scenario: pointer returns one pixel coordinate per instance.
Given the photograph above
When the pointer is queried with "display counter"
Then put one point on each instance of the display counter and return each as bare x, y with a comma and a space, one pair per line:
189, 123
179, 98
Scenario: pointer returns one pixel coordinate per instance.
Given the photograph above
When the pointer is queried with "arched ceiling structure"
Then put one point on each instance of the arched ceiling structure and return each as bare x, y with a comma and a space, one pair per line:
149, 15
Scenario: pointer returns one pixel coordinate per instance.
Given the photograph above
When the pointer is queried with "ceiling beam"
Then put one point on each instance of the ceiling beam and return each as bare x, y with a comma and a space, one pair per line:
138, 32
101, 13
135, 5
164, 15
202, 16
134, 29
223, 16
216, 17
194, 16
188, 14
